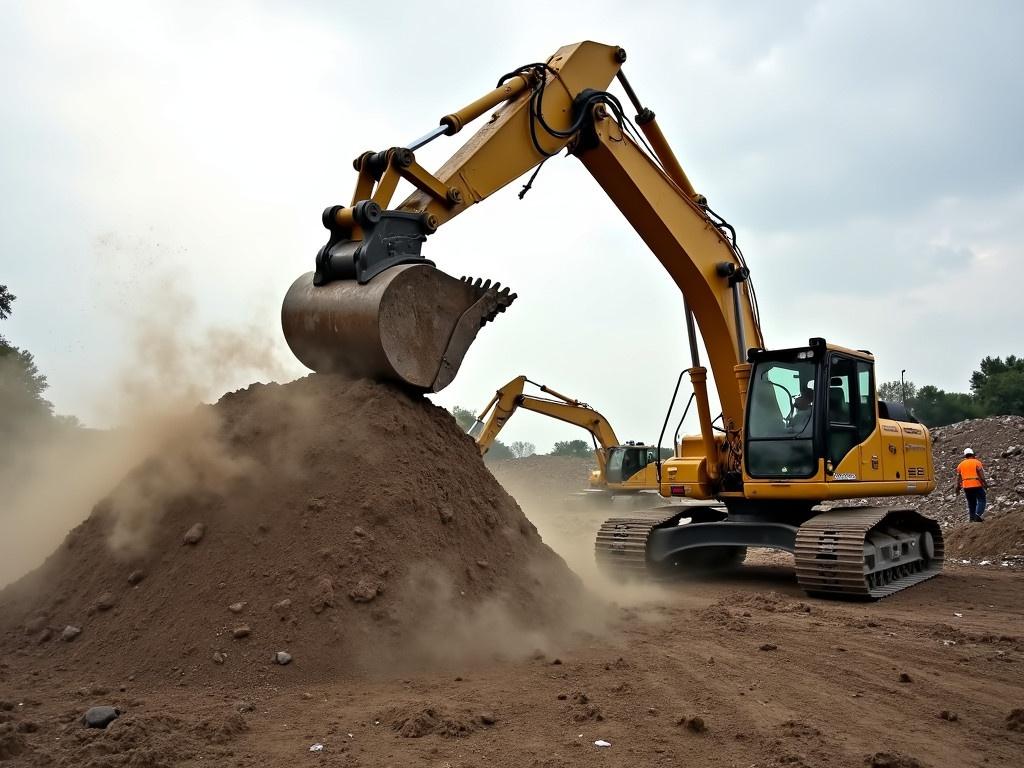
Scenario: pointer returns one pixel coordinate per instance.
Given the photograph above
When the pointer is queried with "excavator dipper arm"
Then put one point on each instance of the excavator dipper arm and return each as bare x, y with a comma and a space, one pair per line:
510, 398
370, 308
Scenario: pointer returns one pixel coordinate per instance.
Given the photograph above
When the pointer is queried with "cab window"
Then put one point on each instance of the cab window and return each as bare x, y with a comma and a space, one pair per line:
780, 419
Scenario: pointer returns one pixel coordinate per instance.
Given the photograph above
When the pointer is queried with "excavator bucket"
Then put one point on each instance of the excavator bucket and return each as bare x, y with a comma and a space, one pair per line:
411, 323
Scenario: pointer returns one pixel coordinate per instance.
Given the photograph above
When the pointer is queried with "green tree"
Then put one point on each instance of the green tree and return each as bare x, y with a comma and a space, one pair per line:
463, 417
521, 449
498, 452
937, 408
6, 299
21, 384
892, 391
999, 385
580, 448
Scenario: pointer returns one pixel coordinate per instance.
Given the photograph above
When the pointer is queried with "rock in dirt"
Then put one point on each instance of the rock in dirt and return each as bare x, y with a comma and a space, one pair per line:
282, 658
694, 724
237, 607
194, 534
323, 595
219, 657
282, 607
905, 678
1015, 720
100, 717
769, 647
136, 576
366, 589
241, 631
70, 633
487, 718
106, 601
947, 715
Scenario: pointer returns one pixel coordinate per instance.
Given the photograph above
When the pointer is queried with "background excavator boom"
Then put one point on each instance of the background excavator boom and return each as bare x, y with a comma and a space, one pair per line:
510, 397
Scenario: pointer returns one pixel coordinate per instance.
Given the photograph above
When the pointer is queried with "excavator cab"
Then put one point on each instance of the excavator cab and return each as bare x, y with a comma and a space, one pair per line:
807, 407
625, 462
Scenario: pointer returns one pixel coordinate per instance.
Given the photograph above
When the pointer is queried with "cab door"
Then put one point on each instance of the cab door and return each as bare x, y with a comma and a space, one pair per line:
851, 442
867, 423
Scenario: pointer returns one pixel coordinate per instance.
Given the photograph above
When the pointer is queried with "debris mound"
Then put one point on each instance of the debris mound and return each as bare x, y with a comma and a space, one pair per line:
999, 442
999, 539
339, 522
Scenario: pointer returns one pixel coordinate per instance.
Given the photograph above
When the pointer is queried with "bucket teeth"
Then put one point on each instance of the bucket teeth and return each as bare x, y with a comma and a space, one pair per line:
498, 298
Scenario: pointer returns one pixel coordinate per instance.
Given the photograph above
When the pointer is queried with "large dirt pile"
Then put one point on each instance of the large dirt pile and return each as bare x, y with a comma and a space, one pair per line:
346, 523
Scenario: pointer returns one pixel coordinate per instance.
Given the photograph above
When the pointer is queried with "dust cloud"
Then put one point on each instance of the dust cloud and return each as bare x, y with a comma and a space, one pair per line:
58, 472
548, 490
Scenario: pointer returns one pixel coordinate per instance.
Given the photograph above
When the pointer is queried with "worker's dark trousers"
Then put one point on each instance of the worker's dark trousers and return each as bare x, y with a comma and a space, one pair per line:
975, 502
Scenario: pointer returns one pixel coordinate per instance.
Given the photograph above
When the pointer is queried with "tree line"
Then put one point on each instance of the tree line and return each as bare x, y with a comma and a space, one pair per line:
520, 449
997, 389
24, 410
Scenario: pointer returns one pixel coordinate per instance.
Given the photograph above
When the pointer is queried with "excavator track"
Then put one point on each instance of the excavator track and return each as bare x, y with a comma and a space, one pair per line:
621, 544
850, 553
832, 553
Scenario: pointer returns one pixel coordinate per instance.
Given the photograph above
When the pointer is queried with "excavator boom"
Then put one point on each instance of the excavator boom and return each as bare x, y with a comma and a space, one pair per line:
510, 397
623, 469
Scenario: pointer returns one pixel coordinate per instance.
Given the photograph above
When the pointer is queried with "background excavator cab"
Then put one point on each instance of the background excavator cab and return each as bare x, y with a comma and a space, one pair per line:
626, 462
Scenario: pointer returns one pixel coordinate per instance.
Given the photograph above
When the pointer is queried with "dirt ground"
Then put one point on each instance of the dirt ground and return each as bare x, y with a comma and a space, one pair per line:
740, 670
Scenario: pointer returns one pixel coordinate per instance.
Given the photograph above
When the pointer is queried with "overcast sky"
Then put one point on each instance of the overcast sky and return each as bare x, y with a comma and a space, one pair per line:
869, 154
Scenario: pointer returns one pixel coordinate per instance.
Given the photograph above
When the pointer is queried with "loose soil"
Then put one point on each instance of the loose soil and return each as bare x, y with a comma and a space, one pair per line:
676, 675
345, 523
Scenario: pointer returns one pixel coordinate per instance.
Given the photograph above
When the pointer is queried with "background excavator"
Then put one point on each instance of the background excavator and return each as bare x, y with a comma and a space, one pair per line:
626, 472
799, 426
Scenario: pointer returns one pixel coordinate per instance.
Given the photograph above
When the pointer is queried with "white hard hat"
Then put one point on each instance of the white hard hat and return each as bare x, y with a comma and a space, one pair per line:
968, 451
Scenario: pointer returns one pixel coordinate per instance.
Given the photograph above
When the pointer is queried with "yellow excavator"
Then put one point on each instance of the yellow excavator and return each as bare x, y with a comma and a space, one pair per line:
799, 426
623, 469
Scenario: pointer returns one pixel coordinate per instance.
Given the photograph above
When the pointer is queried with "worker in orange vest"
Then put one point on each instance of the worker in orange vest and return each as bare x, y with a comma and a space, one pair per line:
970, 476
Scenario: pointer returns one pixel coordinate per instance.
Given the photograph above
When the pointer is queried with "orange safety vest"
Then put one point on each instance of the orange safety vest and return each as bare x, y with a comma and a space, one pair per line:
970, 472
